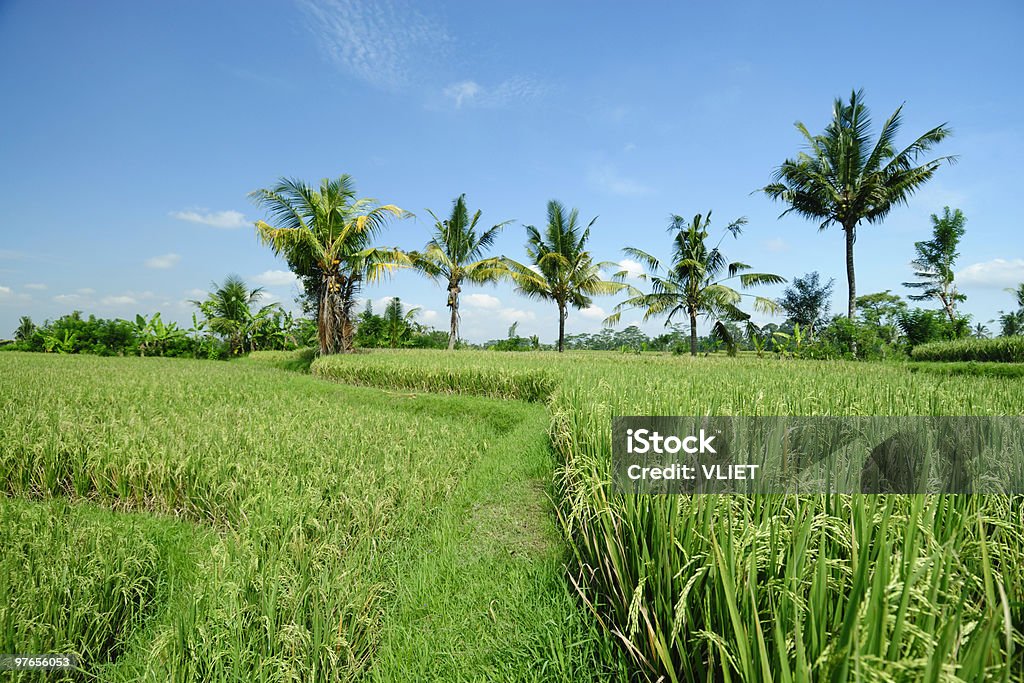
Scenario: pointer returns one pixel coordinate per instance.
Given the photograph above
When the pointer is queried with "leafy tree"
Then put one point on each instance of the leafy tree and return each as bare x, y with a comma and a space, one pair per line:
935, 261
882, 311
455, 254
806, 301
561, 269
1012, 323
696, 281
844, 179
155, 335
26, 328
228, 312
398, 323
920, 326
326, 237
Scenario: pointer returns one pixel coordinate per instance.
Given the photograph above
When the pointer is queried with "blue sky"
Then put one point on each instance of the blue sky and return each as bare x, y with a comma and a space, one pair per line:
132, 133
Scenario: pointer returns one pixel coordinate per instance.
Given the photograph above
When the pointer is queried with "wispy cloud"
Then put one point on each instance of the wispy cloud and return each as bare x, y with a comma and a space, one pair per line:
275, 278
484, 301
36, 286
634, 269
607, 178
216, 219
471, 94
776, 245
119, 300
382, 43
163, 262
997, 273
593, 313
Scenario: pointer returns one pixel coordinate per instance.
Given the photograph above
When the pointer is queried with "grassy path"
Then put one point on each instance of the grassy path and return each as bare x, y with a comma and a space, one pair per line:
330, 532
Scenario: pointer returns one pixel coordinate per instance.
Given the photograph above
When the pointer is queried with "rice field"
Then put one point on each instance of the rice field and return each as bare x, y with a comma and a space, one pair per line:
291, 528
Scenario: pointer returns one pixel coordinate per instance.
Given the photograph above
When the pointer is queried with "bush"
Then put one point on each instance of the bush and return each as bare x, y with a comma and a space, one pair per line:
1000, 350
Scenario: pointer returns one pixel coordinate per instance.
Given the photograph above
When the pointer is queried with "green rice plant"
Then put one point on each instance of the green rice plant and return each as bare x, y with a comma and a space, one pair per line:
998, 350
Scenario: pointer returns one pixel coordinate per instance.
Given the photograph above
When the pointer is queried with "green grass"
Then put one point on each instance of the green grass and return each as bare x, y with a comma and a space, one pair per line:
774, 588
999, 350
1006, 370
322, 515
453, 571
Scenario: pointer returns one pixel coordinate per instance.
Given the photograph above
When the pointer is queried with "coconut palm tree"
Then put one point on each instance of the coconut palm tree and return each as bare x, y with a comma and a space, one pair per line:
327, 235
26, 328
561, 269
696, 281
455, 254
228, 312
844, 179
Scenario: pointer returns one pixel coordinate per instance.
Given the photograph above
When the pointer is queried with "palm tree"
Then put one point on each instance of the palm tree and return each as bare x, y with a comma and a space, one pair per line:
561, 269
327, 238
228, 311
398, 323
981, 331
455, 254
26, 328
695, 281
844, 179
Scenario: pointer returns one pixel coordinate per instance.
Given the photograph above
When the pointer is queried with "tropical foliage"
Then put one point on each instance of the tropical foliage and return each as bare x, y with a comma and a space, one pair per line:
845, 179
560, 268
326, 235
936, 260
697, 281
455, 256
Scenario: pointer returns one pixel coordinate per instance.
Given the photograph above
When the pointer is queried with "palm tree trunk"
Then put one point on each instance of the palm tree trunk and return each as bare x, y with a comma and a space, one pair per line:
693, 333
561, 326
453, 304
851, 277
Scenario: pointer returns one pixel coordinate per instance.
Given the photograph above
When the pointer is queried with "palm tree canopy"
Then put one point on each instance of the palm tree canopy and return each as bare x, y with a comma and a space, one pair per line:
327, 229
843, 178
455, 250
698, 278
561, 269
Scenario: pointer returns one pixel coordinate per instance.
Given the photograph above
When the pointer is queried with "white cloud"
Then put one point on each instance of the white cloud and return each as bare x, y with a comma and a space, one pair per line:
429, 316
634, 269
197, 294
484, 301
275, 278
384, 43
997, 273
217, 219
163, 262
511, 315
510, 91
121, 300
36, 286
606, 178
86, 291
462, 91
69, 298
776, 245
4, 291
593, 313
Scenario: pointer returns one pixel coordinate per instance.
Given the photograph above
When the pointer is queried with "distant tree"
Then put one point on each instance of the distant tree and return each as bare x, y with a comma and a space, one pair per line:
26, 328
806, 301
981, 331
936, 259
327, 237
398, 323
695, 281
843, 178
229, 314
455, 254
1012, 323
882, 310
561, 269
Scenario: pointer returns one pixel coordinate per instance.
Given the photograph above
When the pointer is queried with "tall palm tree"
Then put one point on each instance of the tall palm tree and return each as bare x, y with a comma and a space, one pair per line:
26, 328
228, 312
561, 269
327, 237
696, 281
455, 254
844, 179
